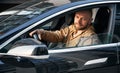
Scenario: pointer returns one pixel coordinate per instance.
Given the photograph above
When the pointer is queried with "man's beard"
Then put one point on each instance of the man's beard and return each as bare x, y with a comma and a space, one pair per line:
81, 27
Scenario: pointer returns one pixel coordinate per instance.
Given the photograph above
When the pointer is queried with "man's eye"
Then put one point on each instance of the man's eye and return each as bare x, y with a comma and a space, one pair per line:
77, 16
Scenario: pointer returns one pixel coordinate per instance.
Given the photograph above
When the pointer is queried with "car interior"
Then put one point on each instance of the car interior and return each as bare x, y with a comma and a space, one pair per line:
100, 22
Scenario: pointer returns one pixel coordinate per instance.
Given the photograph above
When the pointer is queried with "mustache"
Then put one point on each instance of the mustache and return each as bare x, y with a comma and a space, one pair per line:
78, 23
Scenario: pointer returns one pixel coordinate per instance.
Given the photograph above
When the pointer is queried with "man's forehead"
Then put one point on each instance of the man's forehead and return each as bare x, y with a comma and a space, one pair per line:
79, 12
84, 12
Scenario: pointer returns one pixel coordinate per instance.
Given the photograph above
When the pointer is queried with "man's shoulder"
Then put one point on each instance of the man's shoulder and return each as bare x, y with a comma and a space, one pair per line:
90, 31
69, 28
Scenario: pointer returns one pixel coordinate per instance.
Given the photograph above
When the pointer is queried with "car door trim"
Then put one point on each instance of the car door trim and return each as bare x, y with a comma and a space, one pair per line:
75, 49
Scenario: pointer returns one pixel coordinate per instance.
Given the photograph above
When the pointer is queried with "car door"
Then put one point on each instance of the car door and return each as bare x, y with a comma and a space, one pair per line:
99, 58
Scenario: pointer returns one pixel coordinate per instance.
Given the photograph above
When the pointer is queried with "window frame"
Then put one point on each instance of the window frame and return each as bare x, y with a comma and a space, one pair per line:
36, 24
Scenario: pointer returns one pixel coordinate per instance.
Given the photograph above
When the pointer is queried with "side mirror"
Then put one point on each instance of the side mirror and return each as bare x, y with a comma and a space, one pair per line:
21, 56
30, 51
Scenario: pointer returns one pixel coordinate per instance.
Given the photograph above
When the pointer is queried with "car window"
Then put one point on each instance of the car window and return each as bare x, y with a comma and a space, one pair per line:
15, 17
51, 26
66, 20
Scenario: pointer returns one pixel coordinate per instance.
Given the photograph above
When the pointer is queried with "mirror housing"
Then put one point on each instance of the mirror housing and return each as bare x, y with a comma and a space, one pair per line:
21, 56
30, 51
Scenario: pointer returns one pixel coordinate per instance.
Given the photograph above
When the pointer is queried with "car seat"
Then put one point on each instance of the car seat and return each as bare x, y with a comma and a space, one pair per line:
69, 18
101, 23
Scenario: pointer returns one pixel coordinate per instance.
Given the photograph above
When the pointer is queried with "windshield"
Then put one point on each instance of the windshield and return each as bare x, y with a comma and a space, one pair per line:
16, 16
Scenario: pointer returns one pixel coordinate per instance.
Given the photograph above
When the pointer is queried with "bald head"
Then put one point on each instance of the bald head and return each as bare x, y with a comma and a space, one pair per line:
83, 19
89, 12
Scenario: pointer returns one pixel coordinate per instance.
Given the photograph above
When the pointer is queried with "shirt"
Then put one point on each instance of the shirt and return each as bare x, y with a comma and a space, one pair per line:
66, 36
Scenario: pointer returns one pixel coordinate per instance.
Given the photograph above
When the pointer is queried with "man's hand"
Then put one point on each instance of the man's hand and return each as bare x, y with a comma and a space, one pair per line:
37, 32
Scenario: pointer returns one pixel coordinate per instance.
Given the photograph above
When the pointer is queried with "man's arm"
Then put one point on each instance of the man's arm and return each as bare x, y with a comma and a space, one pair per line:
51, 36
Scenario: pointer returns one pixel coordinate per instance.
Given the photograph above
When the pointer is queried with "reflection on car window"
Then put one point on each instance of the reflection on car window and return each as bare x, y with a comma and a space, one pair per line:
14, 17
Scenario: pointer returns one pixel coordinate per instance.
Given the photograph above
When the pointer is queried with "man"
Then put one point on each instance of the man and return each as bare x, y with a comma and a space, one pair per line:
80, 33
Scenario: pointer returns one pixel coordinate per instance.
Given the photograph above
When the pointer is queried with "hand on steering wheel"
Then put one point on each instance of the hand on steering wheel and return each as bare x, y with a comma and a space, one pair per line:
36, 34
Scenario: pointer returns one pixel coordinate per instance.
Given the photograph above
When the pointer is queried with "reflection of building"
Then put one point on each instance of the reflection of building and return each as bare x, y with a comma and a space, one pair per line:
75, 0
5, 4
44, 4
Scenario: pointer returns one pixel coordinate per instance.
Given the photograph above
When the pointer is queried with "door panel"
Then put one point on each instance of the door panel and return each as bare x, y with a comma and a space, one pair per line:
111, 69
94, 60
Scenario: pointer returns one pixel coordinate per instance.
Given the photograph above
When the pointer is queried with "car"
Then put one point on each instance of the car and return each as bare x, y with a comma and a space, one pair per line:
21, 52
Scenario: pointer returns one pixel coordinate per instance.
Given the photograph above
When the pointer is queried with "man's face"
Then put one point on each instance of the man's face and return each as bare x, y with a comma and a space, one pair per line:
82, 19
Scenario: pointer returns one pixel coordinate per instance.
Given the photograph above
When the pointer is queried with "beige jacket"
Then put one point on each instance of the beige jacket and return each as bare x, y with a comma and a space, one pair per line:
65, 36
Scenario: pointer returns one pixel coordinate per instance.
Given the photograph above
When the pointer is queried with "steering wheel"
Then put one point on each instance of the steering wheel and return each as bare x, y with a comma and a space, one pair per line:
35, 36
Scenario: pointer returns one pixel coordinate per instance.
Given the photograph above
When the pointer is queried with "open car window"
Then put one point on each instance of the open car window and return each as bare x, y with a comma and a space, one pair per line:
66, 19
